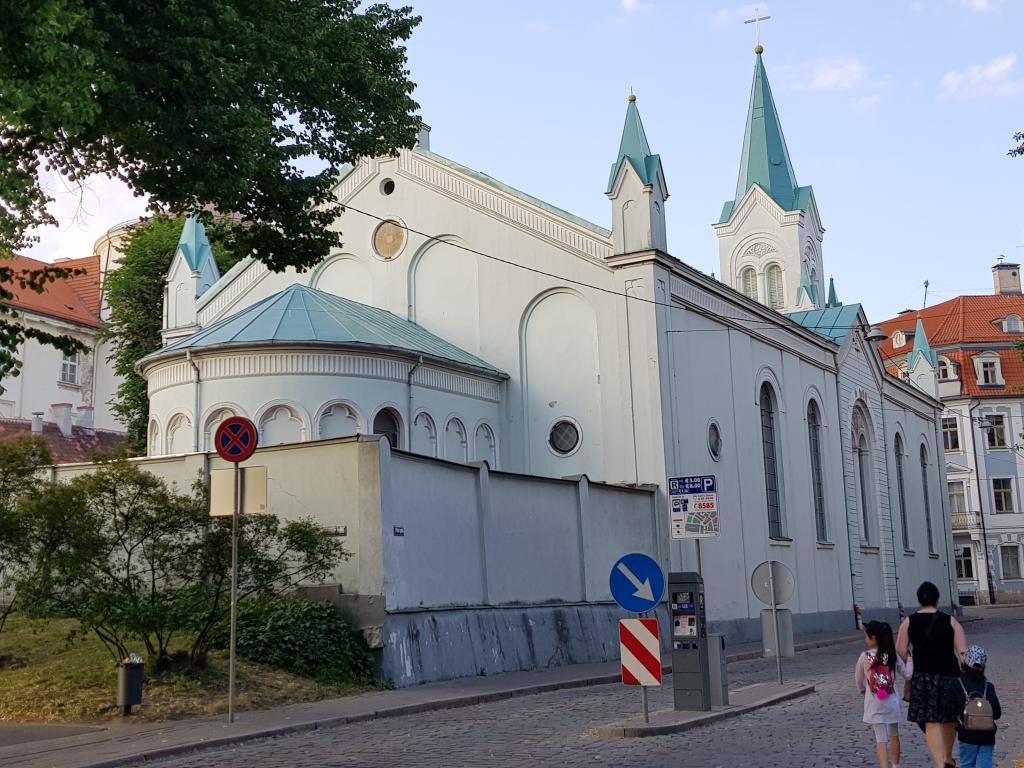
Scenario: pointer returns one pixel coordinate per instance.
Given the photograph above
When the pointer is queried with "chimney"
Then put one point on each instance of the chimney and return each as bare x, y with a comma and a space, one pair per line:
37, 423
423, 137
1006, 278
61, 413
84, 417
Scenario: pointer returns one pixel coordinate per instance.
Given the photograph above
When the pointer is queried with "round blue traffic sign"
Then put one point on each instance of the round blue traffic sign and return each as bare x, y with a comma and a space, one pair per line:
235, 439
637, 582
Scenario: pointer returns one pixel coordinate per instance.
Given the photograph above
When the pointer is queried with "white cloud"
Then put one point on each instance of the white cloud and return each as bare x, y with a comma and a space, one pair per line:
83, 215
979, 6
838, 74
992, 79
740, 13
635, 5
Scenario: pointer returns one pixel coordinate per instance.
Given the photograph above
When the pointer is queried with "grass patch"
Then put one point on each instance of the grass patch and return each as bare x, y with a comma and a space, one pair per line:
43, 678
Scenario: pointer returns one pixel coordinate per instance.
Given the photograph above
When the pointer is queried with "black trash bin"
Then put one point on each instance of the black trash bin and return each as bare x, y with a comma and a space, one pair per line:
129, 685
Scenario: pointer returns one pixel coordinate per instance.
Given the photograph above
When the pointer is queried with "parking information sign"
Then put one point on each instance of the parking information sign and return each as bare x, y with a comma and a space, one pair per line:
693, 507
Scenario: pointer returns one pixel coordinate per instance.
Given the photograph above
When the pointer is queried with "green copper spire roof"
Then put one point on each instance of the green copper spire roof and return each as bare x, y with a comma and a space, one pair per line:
194, 243
634, 148
833, 300
807, 286
765, 159
922, 347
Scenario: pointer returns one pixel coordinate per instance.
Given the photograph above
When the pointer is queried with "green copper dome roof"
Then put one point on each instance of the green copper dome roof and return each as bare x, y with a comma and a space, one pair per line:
304, 316
765, 158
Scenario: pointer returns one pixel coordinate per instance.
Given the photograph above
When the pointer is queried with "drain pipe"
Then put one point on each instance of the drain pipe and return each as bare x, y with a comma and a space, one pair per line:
195, 412
408, 408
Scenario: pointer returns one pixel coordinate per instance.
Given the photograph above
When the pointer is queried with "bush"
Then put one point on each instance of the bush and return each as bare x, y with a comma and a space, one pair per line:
309, 639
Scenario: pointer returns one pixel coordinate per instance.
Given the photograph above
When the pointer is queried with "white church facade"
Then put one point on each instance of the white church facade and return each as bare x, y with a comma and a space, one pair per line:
468, 321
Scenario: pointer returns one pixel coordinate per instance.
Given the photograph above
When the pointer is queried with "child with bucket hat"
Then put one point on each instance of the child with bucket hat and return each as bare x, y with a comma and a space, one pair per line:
978, 704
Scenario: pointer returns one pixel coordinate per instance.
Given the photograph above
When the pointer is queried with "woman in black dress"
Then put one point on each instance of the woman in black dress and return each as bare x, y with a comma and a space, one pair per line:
937, 643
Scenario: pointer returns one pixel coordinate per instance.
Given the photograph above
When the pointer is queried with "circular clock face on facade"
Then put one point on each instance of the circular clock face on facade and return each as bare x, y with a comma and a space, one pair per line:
388, 239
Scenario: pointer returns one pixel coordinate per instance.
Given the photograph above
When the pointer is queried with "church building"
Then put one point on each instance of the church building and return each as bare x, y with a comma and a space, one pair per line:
469, 321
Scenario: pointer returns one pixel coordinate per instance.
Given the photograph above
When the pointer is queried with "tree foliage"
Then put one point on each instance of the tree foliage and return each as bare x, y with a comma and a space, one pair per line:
1018, 151
21, 458
134, 292
251, 106
135, 561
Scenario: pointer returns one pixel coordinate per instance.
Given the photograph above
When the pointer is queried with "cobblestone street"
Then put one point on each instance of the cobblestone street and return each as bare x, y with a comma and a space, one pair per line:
823, 729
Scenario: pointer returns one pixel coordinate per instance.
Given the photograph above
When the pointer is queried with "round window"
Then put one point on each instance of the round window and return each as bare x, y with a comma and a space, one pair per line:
714, 441
564, 437
388, 239
387, 186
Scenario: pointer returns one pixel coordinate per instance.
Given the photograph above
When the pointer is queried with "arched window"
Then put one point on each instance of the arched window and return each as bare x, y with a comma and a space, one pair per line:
864, 480
153, 439
212, 422
338, 420
945, 370
280, 425
817, 481
485, 449
455, 443
424, 437
1013, 324
901, 492
772, 464
776, 294
748, 283
386, 424
927, 500
179, 434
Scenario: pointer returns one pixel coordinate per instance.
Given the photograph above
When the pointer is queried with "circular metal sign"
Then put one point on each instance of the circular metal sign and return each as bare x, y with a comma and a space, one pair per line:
762, 579
235, 439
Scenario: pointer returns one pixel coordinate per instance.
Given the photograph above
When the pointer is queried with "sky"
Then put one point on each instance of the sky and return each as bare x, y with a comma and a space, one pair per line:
898, 113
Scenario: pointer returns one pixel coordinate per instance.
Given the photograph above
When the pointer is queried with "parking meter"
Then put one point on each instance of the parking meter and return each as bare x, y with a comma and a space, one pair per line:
691, 683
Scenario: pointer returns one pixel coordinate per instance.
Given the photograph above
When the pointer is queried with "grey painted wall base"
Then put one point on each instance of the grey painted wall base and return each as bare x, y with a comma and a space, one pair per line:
425, 646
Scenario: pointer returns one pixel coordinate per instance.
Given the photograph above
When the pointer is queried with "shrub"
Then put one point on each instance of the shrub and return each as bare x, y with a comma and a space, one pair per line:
309, 639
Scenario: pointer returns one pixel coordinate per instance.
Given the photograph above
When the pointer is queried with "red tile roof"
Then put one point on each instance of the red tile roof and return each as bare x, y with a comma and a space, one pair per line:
966, 321
75, 300
78, 447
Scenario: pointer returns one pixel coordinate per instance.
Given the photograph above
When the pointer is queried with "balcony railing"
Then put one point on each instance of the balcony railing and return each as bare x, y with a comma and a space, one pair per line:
965, 521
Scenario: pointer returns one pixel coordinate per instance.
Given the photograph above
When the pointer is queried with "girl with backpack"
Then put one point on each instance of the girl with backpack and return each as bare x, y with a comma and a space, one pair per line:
877, 671
976, 699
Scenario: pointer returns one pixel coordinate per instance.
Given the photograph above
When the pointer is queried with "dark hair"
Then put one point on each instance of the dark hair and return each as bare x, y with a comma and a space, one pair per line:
928, 595
882, 633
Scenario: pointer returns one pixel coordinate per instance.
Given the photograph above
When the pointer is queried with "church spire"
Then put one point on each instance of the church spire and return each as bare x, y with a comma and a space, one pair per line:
633, 148
833, 300
922, 347
765, 158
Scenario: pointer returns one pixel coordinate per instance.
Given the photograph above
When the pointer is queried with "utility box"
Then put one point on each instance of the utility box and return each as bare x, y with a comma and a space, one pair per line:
691, 681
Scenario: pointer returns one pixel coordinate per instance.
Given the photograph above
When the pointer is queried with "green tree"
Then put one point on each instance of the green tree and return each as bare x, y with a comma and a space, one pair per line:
132, 291
251, 106
133, 560
1018, 151
21, 458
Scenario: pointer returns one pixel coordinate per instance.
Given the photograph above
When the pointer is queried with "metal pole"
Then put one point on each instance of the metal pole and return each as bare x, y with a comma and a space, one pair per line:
981, 506
700, 569
647, 716
234, 592
775, 620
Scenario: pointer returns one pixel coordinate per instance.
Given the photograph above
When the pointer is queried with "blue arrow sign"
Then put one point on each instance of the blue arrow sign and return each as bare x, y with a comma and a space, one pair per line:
637, 582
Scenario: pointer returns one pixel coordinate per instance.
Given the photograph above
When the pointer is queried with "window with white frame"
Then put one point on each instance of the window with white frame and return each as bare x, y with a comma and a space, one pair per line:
748, 283
1009, 558
988, 370
776, 292
1012, 324
772, 466
866, 486
957, 497
927, 500
901, 492
947, 371
69, 368
1002, 495
996, 433
817, 481
950, 434
964, 563
899, 339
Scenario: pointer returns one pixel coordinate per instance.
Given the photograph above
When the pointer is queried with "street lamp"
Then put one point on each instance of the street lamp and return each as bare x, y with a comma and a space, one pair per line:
983, 424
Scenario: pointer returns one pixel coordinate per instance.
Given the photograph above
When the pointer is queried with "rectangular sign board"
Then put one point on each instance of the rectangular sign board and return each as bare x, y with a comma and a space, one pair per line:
640, 652
693, 507
254, 491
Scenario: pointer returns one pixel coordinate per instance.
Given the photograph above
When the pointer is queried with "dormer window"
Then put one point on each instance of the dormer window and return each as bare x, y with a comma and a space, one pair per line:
899, 339
1013, 324
947, 370
988, 370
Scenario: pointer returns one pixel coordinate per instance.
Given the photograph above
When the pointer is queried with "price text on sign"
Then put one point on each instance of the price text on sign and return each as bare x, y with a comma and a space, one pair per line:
640, 652
235, 439
693, 507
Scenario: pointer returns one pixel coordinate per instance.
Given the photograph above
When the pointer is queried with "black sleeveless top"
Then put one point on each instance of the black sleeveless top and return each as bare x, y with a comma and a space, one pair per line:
931, 641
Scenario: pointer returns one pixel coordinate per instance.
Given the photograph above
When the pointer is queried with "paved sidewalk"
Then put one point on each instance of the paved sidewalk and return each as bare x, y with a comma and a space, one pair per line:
121, 742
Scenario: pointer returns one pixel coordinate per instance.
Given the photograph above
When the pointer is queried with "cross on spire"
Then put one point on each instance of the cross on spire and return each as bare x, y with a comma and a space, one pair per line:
756, 21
